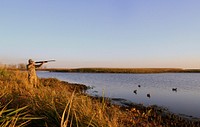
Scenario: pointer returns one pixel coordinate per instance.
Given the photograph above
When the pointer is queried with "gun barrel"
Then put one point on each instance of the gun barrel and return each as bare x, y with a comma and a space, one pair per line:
45, 61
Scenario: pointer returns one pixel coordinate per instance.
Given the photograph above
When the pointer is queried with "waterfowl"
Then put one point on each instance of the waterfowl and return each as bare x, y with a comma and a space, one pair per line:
135, 91
174, 89
139, 86
148, 95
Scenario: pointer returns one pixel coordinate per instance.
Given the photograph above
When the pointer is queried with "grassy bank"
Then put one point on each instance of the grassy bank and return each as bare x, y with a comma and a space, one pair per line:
60, 104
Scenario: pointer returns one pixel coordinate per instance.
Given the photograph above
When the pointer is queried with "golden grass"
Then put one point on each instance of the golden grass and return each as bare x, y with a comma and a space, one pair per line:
61, 104
54, 103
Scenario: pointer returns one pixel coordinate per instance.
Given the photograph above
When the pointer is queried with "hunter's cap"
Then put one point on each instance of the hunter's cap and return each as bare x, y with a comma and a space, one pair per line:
30, 61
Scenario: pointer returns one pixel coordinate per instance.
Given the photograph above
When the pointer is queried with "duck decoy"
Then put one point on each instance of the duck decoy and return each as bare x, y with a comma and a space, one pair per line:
135, 91
174, 89
148, 95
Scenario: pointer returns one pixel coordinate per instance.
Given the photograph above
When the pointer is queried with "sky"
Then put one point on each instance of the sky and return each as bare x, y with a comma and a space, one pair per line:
101, 33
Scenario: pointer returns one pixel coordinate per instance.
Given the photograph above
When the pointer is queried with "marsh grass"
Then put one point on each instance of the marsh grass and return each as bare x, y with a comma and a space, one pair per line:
14, 117
54, 103
60, 104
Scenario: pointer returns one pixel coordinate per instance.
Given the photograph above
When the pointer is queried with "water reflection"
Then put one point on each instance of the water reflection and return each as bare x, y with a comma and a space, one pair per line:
150, 89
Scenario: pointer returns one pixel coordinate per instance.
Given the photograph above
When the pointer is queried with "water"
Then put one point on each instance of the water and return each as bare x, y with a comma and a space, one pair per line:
186, 100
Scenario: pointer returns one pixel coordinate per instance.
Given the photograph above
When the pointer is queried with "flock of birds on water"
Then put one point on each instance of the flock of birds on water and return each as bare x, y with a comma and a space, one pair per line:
149, 95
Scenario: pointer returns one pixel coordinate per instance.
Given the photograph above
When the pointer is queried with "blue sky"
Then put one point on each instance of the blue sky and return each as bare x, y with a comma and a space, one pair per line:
101, 33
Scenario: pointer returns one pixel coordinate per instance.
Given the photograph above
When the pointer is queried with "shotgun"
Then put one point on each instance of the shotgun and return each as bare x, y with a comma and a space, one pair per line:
46, 61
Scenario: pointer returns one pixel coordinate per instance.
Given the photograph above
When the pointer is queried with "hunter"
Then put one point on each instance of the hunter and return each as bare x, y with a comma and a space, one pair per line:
32, 76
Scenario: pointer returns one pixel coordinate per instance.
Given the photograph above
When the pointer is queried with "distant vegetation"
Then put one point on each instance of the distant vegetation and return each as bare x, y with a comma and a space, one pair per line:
22, 66
60, 104
125, 70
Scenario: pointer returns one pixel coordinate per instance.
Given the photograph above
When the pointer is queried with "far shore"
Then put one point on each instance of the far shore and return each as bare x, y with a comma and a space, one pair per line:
122, 70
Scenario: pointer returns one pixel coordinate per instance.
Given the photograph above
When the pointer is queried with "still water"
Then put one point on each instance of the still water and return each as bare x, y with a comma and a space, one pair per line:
186, 100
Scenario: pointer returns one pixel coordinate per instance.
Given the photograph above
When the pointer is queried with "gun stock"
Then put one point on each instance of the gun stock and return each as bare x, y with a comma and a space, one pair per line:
46, 61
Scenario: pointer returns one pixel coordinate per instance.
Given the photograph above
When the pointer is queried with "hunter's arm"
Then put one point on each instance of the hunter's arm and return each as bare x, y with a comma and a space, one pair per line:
39, 65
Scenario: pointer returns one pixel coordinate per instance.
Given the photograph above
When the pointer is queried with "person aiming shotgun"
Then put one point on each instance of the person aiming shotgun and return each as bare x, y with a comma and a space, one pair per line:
32, 76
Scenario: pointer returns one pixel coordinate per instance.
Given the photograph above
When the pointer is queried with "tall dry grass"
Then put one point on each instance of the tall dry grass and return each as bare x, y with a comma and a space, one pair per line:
52, 104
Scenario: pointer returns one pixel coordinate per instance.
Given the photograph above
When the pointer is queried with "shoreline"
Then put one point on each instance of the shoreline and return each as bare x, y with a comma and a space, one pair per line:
121, 102
158, 111
124, 103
